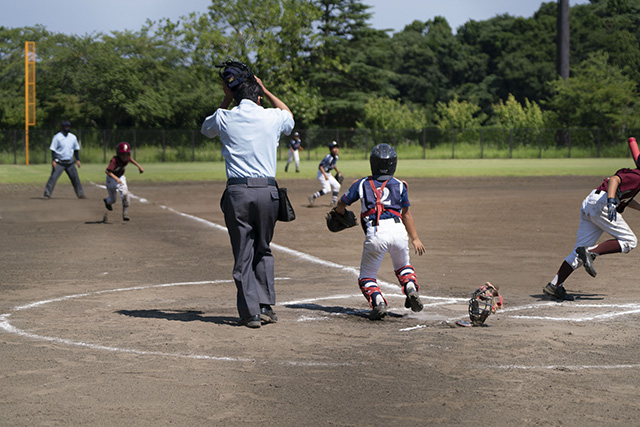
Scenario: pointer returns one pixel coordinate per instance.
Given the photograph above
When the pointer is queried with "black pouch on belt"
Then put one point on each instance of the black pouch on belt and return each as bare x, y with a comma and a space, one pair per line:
285, 210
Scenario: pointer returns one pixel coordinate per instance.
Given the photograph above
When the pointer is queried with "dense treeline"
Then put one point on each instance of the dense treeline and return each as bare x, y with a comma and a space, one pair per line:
335, 71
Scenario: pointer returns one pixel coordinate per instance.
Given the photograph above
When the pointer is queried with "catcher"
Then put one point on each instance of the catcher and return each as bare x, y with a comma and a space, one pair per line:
324, 175
387, 224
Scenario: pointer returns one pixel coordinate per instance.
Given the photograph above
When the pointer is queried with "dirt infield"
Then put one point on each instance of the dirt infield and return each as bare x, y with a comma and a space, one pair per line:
111, 323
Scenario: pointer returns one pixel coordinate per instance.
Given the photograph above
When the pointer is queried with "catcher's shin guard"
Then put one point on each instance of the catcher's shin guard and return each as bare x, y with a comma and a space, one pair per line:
371, 291
407, 275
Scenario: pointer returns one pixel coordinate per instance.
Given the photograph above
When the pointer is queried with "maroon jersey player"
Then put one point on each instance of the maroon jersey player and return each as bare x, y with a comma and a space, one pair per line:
116, 181
601, 212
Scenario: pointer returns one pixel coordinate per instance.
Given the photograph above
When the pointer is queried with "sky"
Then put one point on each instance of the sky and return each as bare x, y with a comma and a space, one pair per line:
82, 17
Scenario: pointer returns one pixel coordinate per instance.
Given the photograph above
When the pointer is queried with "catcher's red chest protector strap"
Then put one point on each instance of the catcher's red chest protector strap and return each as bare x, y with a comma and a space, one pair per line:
379, 206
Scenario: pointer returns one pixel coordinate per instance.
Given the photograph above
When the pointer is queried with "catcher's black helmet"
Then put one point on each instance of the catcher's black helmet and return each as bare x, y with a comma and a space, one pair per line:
234, 73
383, 161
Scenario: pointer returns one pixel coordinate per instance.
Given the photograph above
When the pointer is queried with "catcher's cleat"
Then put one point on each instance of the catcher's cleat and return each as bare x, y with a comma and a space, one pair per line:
557, 292
267, 315
587, 258
379, 311
107, 205
413, 301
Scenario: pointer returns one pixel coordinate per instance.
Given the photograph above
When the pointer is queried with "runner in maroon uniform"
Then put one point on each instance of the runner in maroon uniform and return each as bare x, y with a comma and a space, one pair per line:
116, 181
601, 212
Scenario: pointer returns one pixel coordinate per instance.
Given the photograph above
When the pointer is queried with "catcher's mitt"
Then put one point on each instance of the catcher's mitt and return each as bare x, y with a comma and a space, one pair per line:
339, 177
484, 301
337, 222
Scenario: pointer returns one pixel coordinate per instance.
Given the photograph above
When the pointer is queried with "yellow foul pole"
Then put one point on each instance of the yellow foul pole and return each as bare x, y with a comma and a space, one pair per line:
29, 92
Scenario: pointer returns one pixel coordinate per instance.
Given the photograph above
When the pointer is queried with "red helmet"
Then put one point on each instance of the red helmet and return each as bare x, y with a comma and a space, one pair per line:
123, 147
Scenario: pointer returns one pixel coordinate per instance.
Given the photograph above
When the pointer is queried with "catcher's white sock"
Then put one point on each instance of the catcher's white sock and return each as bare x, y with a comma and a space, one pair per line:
379, 299
410, 287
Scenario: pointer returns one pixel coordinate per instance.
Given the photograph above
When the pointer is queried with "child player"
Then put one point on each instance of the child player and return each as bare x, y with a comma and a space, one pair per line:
324, 175
388, 225
601, 212
116, 179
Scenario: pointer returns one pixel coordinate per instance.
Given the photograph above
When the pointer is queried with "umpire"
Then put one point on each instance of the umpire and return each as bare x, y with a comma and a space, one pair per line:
64, 147
249, 134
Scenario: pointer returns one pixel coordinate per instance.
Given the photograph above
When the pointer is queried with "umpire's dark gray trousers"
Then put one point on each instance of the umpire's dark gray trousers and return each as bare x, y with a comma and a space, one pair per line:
250, 214
68, 166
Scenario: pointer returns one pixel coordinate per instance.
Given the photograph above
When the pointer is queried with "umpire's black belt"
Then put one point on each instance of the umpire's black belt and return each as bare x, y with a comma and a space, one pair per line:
252, 181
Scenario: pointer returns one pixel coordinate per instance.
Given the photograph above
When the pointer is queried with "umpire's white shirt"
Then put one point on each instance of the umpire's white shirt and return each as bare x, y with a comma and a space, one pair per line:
250, 135
64, 146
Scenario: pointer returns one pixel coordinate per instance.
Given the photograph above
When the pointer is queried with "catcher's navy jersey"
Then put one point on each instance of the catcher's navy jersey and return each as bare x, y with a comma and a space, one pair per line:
328, 163
394, 196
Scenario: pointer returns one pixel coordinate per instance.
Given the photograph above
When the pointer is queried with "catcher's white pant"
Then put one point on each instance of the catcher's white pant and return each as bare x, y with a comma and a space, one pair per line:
594, 221
113, 187
294, 155
329, 184
390, 236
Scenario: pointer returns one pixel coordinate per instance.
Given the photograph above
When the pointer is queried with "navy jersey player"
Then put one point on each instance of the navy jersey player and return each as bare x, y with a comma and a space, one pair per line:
294, 152
388, 226
329, 183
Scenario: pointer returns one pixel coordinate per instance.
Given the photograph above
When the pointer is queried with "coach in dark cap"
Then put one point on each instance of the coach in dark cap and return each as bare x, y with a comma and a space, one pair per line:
250, 135
64, 147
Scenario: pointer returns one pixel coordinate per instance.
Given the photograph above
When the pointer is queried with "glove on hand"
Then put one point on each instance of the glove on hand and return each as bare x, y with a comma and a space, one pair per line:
339, 178
611, 208
337, 222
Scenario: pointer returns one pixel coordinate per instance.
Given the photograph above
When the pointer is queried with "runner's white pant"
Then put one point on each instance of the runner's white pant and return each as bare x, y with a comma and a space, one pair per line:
594, 221
391, 237
329, 184
113, 186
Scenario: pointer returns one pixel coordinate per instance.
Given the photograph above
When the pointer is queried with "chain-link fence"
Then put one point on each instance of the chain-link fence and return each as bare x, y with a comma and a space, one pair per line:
176, 145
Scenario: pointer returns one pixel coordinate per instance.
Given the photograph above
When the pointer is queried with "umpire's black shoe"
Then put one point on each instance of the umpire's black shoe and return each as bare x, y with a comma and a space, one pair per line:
251, 321
587, 258
107, 205
267, 315
557, 292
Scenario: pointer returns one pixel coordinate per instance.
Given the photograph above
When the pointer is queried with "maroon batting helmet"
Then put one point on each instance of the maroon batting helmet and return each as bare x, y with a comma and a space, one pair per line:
123, 147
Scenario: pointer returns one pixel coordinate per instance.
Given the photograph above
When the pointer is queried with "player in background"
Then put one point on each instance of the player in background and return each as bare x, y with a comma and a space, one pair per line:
388, 226
324, 176
116, 181
294, 149
601, 212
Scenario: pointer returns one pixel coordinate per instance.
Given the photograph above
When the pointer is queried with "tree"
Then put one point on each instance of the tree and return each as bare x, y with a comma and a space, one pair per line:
388, 114
430, 62
511, 114
273, 37
597, 95
458, 115
350, 62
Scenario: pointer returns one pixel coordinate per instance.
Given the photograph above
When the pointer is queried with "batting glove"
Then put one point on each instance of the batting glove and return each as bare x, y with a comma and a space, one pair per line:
611, 208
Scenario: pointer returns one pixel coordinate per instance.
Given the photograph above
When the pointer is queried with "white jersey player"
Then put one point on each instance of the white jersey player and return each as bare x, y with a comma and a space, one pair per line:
329, 183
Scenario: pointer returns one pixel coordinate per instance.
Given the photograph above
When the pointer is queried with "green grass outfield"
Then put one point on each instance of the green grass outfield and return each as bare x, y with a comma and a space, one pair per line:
352, 169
